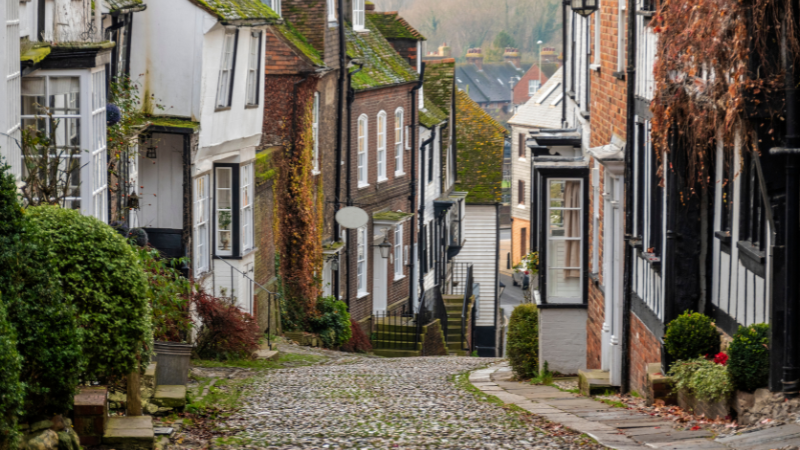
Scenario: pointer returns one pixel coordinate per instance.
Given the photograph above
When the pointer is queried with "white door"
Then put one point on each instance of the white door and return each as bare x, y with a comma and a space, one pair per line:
379, 283
612, 277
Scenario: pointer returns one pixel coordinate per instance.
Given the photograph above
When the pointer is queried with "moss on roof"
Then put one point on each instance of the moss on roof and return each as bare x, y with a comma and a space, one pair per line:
383, 66
391, 215
480, 142
172, 122
431, 115
300, 42
35, 54
440, 82
239, 10
392, 26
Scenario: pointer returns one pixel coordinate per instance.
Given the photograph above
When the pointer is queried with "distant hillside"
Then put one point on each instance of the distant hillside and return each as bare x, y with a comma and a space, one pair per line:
477, 23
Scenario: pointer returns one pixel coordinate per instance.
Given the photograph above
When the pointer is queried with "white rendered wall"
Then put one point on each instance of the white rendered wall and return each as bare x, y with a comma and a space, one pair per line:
562, 339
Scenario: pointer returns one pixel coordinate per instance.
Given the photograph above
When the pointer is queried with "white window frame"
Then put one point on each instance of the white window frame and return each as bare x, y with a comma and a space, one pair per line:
315, 134
550, 238
399, 122
359, 15
246, 208
275, 5
621, 35
596, 50
533, 86
331, 10
254, 69
99, 149
362, 156
217, 210
227, 67
362, 259
398, 252
381, 151
201, 210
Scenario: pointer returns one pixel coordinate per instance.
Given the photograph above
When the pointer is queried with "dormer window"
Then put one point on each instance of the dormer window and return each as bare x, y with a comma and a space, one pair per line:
276, 6
358, 15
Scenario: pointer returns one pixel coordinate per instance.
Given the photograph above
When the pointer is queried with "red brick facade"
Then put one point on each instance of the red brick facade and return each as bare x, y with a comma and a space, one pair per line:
521, 89
645, 349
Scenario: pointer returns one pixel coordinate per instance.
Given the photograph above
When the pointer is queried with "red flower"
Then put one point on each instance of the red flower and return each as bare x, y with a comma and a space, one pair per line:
721, 358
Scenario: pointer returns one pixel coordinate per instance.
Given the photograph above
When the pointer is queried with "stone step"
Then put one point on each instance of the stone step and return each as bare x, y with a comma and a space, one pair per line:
395, 353
130, 433
595, 382
455, 345
409, 329
149, 379
169, 396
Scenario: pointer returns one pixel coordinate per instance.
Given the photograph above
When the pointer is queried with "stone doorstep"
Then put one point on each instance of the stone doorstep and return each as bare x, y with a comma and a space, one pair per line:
130, 432
170, 396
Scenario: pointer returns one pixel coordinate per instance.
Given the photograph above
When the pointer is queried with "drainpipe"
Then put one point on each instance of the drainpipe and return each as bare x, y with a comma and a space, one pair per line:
413, 196
421, 210
791, 365
630, 138
351, 96
339, 136
564, 97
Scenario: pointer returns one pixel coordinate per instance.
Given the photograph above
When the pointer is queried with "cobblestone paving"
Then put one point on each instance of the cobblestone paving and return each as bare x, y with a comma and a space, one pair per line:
377, 403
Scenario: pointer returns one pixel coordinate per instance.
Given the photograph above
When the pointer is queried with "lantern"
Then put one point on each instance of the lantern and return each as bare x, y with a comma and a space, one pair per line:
584, 7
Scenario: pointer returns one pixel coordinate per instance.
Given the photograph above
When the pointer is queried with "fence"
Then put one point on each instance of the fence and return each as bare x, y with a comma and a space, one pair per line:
466, 335
395, 330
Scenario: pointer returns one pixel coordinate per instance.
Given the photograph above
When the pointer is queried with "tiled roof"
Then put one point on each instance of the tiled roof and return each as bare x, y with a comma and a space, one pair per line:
392, 26
382, 65
492, 84
431, 115
123, 5
299, 42
239, 10
480, 142
439, 82
541, 111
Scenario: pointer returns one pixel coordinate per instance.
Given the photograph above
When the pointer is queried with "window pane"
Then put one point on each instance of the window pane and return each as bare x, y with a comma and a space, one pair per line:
224, 213
64, 95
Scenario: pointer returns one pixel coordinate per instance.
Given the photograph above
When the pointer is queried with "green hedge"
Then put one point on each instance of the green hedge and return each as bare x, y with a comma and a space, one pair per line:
11, 390
333, 322
691, 336
748, 354
523, 340
102, 276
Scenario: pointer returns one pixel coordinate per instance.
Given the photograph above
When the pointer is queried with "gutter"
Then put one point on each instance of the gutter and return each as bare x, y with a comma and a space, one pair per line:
564, 96
351, 96
413, 196
630, 132
339, 135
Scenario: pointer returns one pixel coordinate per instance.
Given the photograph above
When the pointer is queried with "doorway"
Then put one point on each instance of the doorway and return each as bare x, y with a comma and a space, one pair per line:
612, 277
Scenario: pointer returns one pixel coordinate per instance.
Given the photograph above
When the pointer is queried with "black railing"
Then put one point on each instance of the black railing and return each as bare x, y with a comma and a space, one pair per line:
395, 330
465, 312
459, 279
431, 308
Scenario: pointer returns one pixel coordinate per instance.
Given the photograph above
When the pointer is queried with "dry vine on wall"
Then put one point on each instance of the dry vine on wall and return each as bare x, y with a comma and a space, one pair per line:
297, 222
716, 62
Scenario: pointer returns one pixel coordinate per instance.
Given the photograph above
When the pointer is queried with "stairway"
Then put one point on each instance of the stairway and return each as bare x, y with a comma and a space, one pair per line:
396, 338
455, 344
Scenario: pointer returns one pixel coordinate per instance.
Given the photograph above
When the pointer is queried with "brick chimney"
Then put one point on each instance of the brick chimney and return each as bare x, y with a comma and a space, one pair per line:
475, 56
369, 6
445, 51
512, 55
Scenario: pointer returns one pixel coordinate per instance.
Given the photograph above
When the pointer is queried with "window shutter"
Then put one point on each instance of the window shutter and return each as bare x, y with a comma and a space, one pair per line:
521, 192
521, 145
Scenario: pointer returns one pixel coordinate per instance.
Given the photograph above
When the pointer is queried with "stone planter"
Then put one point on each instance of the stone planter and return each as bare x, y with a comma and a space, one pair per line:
710, 410
173, 360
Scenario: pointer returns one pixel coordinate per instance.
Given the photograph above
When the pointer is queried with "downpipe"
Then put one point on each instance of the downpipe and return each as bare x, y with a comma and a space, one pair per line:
413, 196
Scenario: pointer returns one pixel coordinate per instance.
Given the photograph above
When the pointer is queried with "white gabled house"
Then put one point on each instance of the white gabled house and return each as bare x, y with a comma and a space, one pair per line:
196, 163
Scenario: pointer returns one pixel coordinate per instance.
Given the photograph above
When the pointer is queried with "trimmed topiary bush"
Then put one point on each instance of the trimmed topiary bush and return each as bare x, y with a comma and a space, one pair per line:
11, 390
101, 275
748, 357
691, 336
333, 322
523, 340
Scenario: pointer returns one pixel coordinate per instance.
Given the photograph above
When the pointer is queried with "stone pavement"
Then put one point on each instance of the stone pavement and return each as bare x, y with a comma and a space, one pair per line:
616, 427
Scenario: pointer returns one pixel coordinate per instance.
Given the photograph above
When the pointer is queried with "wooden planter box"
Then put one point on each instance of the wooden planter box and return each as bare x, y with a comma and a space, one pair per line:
709, 410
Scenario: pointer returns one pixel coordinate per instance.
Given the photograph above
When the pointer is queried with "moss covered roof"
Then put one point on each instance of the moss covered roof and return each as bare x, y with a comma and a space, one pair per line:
239, 10
440, 82
172, 122
123, 5
297, 40
431, 115
392, 26
35, 54
383, 66
480, 142
391, 215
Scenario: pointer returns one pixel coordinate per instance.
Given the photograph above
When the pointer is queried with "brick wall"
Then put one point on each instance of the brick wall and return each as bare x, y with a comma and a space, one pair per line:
407, 48
434, 340
392, 194
645, 349
310, 18
521, 94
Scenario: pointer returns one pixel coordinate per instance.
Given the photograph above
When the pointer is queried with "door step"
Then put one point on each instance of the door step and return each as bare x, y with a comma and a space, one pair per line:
595, 382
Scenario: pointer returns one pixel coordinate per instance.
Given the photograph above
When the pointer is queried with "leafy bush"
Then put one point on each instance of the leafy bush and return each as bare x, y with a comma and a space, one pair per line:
702, 378
333, 322
748, 361
42, 320
226, 332
169, 294
358, 342
691, 336
11, 390
523, 340
101, 275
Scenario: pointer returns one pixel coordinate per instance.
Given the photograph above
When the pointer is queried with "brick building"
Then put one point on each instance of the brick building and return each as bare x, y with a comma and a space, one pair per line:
528, 85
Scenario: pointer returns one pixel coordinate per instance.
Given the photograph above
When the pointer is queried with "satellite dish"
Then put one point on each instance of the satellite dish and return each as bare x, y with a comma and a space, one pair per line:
352, 217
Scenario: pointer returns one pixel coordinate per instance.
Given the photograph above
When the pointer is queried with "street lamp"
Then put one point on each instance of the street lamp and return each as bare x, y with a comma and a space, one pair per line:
385, 246
584, 7
540, 63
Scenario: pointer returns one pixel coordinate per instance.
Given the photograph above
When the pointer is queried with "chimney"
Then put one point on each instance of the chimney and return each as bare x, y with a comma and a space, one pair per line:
549, 55
475, 56
444, 51
512, 55
369, 6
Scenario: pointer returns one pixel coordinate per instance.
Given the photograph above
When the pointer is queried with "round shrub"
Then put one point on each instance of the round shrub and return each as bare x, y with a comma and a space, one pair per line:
523, 340
333, 322
748, 357
11, 390
101, 275
690, 336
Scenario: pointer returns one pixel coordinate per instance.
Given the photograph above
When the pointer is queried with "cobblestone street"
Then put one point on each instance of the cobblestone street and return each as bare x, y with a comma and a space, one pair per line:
375, 403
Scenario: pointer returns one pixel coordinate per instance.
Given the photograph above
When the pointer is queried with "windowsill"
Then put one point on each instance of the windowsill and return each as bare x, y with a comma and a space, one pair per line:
251, 106
363, 185
382, 180
585, 115
620, 75
571, 95
645, 13
361, 30
332, 23
522, 206
361, 295
746, 249
399, 174
723, 236
594, 67
249, 252
399, 278
222, 108
522, 159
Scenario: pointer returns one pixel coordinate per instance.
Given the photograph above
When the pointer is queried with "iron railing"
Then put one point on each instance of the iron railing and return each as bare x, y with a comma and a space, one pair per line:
432, 307
468, 292
395, 330
459, 278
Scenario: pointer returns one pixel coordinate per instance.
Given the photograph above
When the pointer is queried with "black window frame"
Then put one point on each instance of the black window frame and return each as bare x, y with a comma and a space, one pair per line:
236, 188
656, 241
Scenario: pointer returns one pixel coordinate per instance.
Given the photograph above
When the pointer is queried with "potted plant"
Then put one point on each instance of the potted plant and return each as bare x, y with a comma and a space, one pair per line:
224, 226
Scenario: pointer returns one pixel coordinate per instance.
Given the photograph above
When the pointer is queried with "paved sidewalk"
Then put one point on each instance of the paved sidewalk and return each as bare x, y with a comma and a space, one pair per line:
619, 428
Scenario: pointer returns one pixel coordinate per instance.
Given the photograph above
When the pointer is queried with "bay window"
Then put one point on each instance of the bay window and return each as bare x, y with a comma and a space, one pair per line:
381, 146
358, 15
362, 151
226, 68
361, 260
233, 209
398, 252
315, 133
247, 207
398, 142
253, 69
201, 249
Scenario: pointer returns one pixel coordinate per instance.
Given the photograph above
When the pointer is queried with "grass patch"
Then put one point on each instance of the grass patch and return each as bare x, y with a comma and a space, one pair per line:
635, 394
613, 403
284, 360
